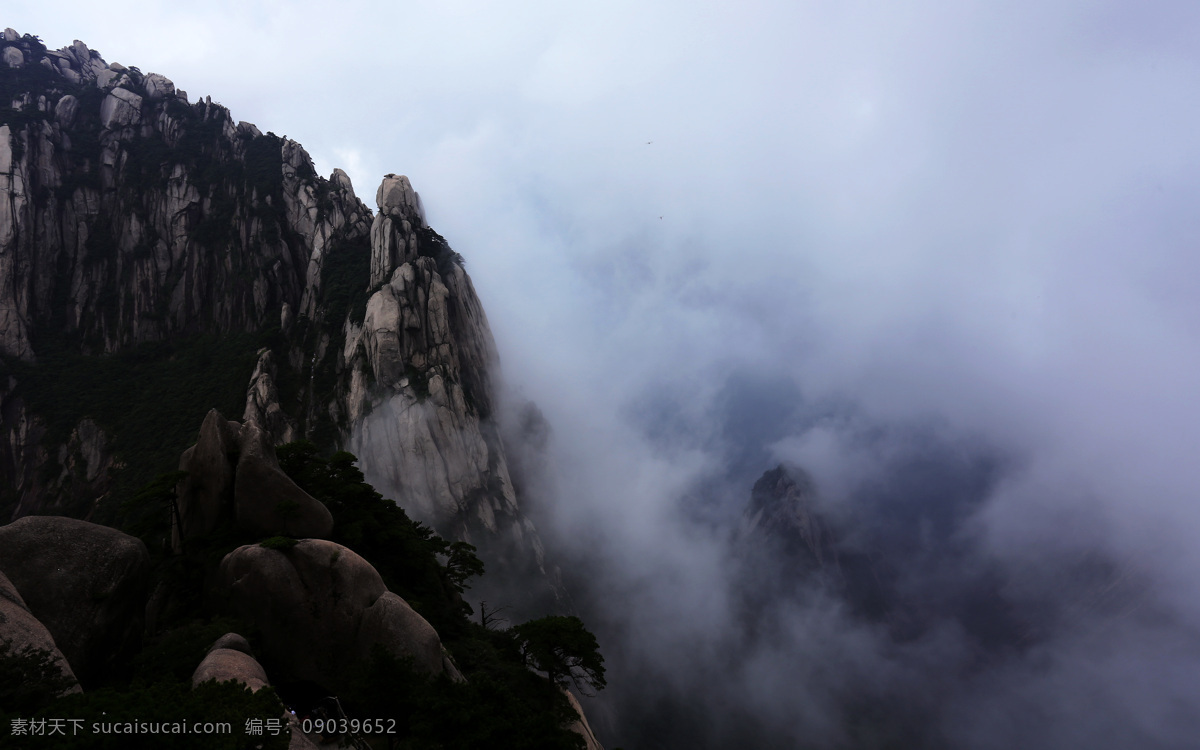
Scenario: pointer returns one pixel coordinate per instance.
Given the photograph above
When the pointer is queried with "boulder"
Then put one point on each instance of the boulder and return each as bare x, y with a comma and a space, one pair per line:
21, 630
234, 477
105, 78
265, 499
65, 110
396, 196
13, 57
206, 495
321, 609
232, 641
391, 622
121, 108
224, 664
158, 86
86, 583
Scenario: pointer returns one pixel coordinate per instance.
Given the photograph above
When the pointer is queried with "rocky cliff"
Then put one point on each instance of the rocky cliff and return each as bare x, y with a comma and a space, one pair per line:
105, 626
141, 231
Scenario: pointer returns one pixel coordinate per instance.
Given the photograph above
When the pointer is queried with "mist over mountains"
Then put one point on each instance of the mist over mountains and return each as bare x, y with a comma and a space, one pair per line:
936, 259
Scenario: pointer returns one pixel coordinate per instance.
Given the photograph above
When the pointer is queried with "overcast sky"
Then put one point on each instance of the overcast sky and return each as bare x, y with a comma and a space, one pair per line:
980, 217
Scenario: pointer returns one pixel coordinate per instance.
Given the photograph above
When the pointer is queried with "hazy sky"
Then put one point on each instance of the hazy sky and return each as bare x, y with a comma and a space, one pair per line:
977, 217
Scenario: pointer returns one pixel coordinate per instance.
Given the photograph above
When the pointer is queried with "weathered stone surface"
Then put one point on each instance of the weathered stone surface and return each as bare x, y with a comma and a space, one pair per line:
425, 442
158, 86
65, 110
10, 35
396, 196
319, 602
206, 494
234, 476
265, 499
390, 621
86, 583
224, 664
232, 641
13, 57
581, 726
121, 108
106, 78
22, 630
262, 402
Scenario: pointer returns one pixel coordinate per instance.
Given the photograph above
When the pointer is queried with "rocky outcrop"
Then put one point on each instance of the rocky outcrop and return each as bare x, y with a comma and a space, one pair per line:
580, 726
783, 510
135, 216
86, 583
425, 432
322, 609
230, 658
234, 477
22, 631
129, 215
262, 402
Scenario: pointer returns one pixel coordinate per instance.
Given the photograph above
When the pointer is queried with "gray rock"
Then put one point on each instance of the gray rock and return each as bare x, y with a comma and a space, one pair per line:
581, 727
13, 57
206, 494
391, 622
106, 78
224, 664
158, 87
234, 476
318, 603
396, 197
248, 128
341, 180
22, 630
232, 641
121, 108
265, 499
11, 36
262, 401
80, 52
86, 583
65, 110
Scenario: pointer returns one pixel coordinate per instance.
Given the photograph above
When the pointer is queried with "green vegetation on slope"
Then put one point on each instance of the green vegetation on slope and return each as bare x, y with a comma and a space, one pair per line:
148, 399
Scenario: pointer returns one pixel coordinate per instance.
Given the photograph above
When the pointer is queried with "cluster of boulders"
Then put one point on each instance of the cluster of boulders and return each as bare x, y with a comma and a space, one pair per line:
81, 591
234, 476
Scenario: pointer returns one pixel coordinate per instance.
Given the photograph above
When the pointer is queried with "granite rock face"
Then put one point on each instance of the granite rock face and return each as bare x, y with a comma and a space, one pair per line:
86, 583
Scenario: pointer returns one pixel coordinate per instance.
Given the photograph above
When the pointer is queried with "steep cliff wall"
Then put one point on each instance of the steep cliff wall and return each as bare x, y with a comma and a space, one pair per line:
138, 227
